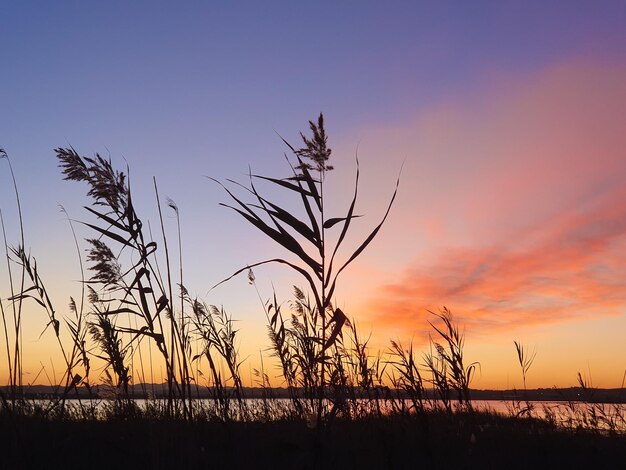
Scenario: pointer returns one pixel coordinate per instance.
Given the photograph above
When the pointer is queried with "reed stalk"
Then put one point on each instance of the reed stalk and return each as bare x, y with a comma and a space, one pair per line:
305, 237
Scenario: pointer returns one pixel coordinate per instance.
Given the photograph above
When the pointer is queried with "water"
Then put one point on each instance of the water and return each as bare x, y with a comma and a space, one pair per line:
599, 416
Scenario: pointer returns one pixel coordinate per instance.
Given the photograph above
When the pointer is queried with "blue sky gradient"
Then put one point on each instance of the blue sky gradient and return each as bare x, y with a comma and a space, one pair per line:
182, 91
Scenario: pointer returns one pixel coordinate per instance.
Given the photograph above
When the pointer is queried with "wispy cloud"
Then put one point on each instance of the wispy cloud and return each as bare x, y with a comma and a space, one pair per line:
531, 224
570, 266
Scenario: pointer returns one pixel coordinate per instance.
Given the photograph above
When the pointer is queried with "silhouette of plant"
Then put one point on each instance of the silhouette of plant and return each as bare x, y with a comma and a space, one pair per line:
525, 359
137, 291
306, 239
459, 375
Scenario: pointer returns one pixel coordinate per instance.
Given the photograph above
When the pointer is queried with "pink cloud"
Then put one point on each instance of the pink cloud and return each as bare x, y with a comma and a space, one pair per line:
516, 201
575, 266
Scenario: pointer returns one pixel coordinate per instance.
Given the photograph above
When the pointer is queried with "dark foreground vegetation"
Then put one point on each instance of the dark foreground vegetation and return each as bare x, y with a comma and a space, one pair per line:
342, 405
480, 441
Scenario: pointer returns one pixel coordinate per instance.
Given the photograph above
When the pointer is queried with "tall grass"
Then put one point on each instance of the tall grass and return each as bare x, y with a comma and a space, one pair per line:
317, 326
14, 325
137, 291
327, 367
407, 376
525, 359
135, 303
214, 328
450, 350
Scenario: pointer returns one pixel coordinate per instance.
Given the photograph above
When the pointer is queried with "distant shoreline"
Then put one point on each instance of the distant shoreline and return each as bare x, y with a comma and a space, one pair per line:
146, 391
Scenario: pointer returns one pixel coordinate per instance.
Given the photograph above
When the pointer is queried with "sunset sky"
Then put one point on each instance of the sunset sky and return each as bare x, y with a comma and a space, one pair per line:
505, 120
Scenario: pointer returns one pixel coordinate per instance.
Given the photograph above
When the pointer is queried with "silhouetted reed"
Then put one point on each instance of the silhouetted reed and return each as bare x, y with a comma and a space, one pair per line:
408, 378
459, 375
525, 359
330, 372
136, 291
214, 328
318, 329
14, 356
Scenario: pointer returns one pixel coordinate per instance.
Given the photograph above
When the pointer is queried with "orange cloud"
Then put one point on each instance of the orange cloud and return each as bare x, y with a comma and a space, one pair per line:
573, 266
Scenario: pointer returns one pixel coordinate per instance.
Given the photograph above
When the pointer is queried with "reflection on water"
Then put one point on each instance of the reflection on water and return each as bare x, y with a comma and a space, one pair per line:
585, 415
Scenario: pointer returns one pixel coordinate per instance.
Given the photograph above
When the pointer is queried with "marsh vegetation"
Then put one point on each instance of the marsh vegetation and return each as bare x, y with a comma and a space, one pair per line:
345, 404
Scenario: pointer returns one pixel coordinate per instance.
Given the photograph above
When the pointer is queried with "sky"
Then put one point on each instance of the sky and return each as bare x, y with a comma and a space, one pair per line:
504, 120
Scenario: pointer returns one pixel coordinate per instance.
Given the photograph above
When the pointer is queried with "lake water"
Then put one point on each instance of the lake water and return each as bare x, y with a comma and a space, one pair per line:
603, 416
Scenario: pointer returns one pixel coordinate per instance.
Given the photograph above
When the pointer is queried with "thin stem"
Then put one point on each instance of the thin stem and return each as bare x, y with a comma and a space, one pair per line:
169, 283
322, 311
18, 336
4, 321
